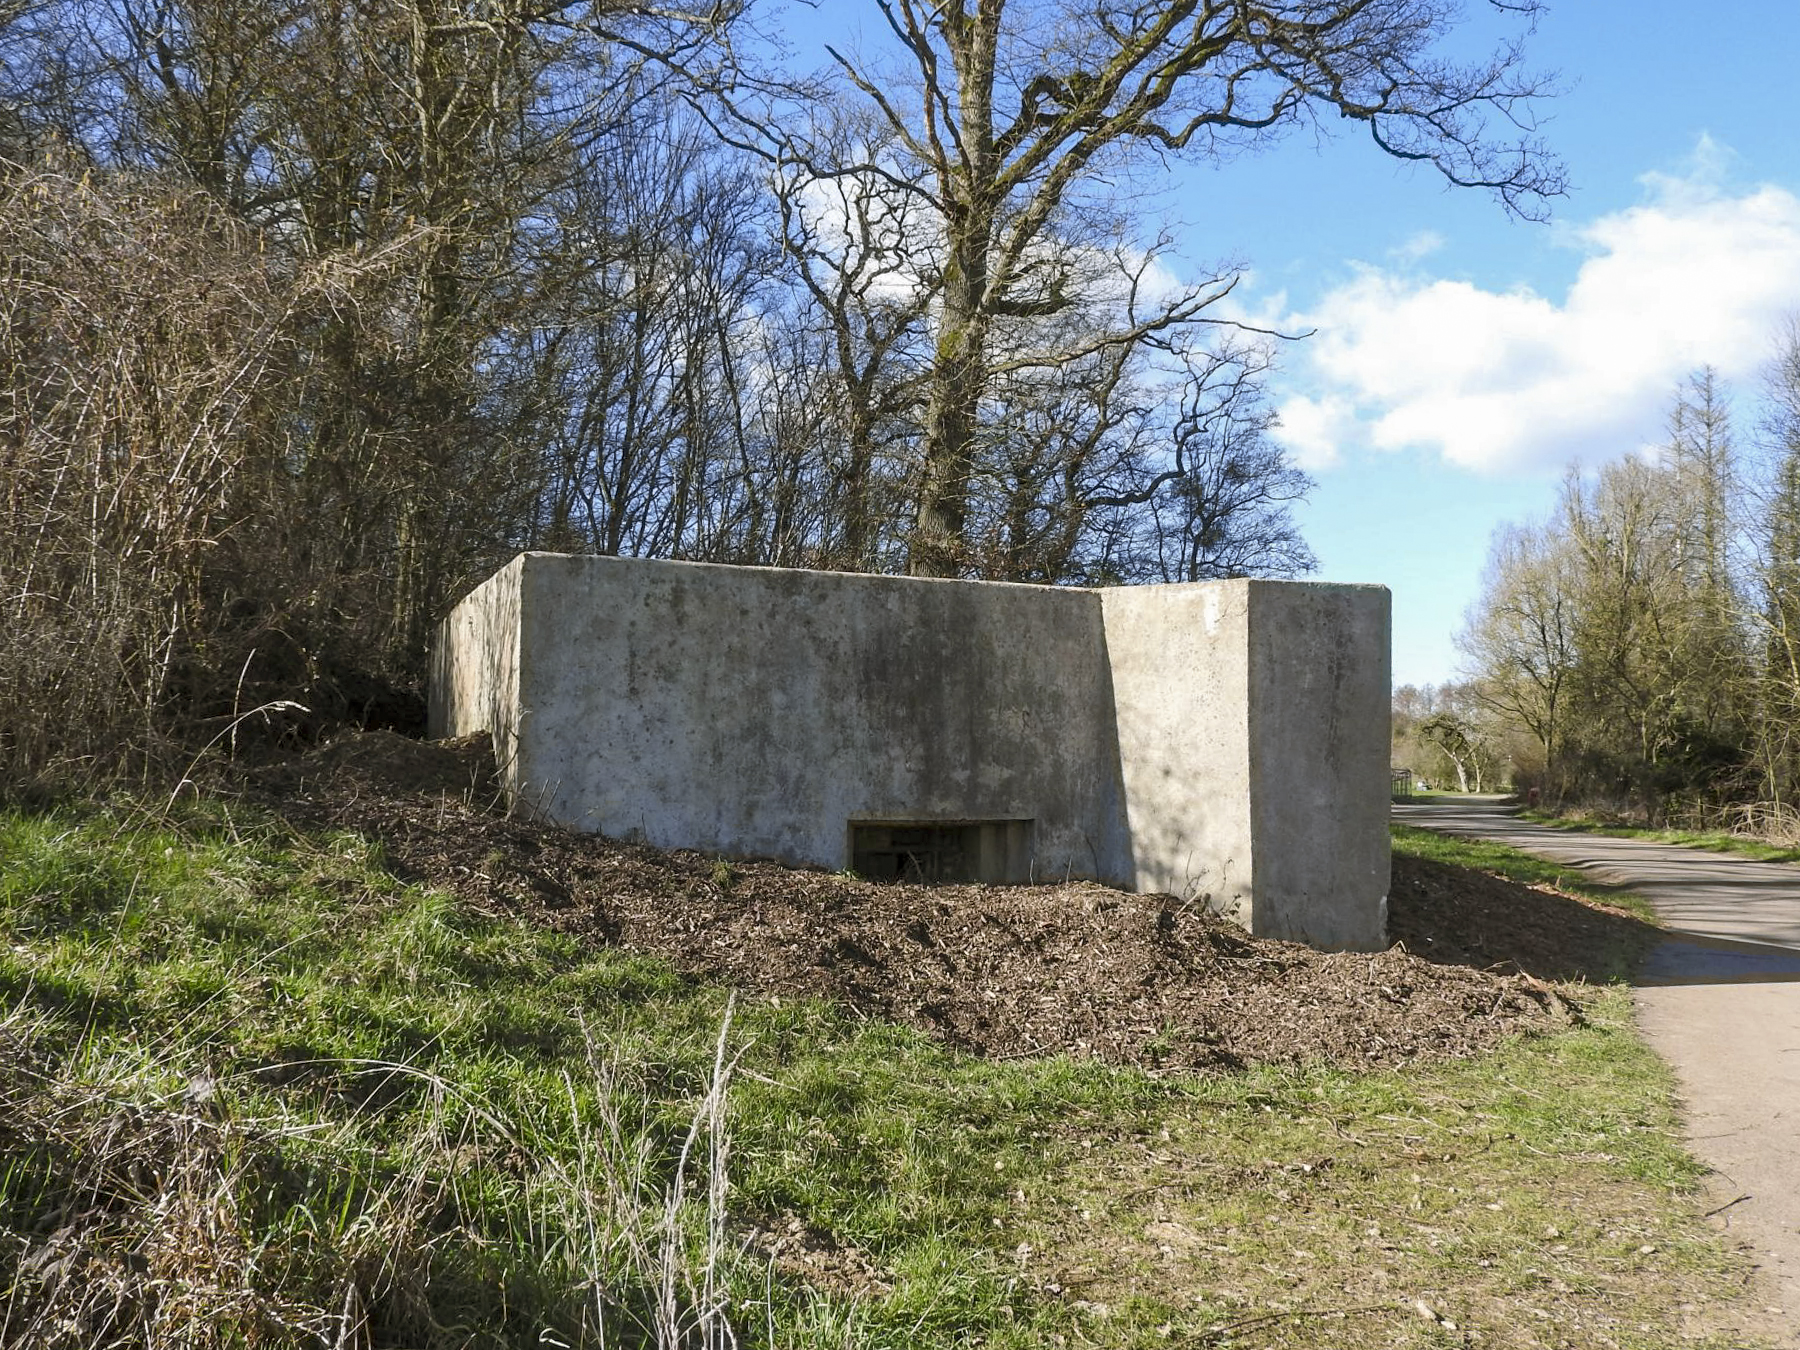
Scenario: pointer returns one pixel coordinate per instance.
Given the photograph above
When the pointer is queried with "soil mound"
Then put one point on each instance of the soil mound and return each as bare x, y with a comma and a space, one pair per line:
1002, 971
390, 764
1457, 916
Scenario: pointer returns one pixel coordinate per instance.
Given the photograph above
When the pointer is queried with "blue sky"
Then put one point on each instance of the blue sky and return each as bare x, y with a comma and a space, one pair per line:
1462, 358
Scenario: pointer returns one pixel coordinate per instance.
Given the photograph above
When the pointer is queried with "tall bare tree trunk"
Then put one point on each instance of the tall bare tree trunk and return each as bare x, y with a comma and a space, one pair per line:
958, 377
959, 373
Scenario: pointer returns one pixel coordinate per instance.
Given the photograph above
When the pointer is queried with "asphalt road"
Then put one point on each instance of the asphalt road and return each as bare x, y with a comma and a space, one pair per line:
1720, 1000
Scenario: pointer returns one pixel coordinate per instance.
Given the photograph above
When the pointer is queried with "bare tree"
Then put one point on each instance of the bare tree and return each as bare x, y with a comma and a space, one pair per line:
146, 344
1462, 729
862, 248
1776, 611
415, 152
1522, 636
1603, 633
1234, 485
651, 265
1006, 122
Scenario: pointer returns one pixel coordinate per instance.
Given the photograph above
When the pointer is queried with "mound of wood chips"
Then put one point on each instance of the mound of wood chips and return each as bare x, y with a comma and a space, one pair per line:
1002, 971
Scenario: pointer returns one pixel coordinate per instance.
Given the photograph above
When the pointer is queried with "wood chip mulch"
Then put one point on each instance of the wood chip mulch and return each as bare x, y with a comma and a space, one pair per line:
1001, 971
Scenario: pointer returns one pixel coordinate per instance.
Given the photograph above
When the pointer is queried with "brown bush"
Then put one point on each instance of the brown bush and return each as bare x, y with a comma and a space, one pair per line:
160, 517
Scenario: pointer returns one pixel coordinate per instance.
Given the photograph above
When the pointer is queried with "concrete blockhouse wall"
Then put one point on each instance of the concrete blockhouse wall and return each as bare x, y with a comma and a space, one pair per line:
1178, 660
474, 678
1225, 742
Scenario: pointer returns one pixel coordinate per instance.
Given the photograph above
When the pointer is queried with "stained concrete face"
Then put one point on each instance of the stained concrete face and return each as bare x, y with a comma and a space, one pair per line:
1179, 661
1225, 742
1253, 734
1319, 781
764, 712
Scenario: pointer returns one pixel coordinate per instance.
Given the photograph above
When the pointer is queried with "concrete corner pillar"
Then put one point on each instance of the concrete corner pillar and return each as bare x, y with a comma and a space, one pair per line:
1253, 743
1320, 708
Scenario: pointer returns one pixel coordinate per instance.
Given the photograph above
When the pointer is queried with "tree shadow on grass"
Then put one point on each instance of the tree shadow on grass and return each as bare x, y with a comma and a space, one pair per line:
72, 1001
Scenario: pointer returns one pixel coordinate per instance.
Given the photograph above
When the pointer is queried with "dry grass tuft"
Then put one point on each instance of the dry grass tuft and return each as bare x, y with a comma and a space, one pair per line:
139, 1213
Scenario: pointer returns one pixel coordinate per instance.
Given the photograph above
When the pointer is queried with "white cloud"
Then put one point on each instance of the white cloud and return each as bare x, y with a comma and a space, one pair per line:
1510, 380
1421, 245
1314, 430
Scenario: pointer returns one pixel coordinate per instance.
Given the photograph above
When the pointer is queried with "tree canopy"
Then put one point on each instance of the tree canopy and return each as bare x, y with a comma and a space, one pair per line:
311, 313
999, 129
1644, 635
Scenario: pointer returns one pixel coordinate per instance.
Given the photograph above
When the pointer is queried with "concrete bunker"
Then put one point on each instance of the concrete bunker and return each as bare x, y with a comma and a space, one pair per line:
1226, 742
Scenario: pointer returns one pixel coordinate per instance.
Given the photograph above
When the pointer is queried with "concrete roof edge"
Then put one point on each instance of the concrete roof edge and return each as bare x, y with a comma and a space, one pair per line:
899, 577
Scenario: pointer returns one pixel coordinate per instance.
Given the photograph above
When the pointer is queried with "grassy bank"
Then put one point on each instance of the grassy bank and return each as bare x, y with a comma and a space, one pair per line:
256, 1091
1717, 841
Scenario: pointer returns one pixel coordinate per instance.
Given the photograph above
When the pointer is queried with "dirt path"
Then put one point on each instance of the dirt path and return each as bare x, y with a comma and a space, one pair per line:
1720, 1000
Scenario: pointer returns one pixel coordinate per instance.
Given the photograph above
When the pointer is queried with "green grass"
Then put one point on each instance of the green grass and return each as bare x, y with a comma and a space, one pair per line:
282, 1088
1488, 1189
1716, 841
1515, 865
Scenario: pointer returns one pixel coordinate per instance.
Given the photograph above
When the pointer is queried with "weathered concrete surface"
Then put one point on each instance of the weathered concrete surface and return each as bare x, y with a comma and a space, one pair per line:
1180, 672
474, 684
1253, 740
1226, 741
1319, 778
1721, 1002
758, 712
